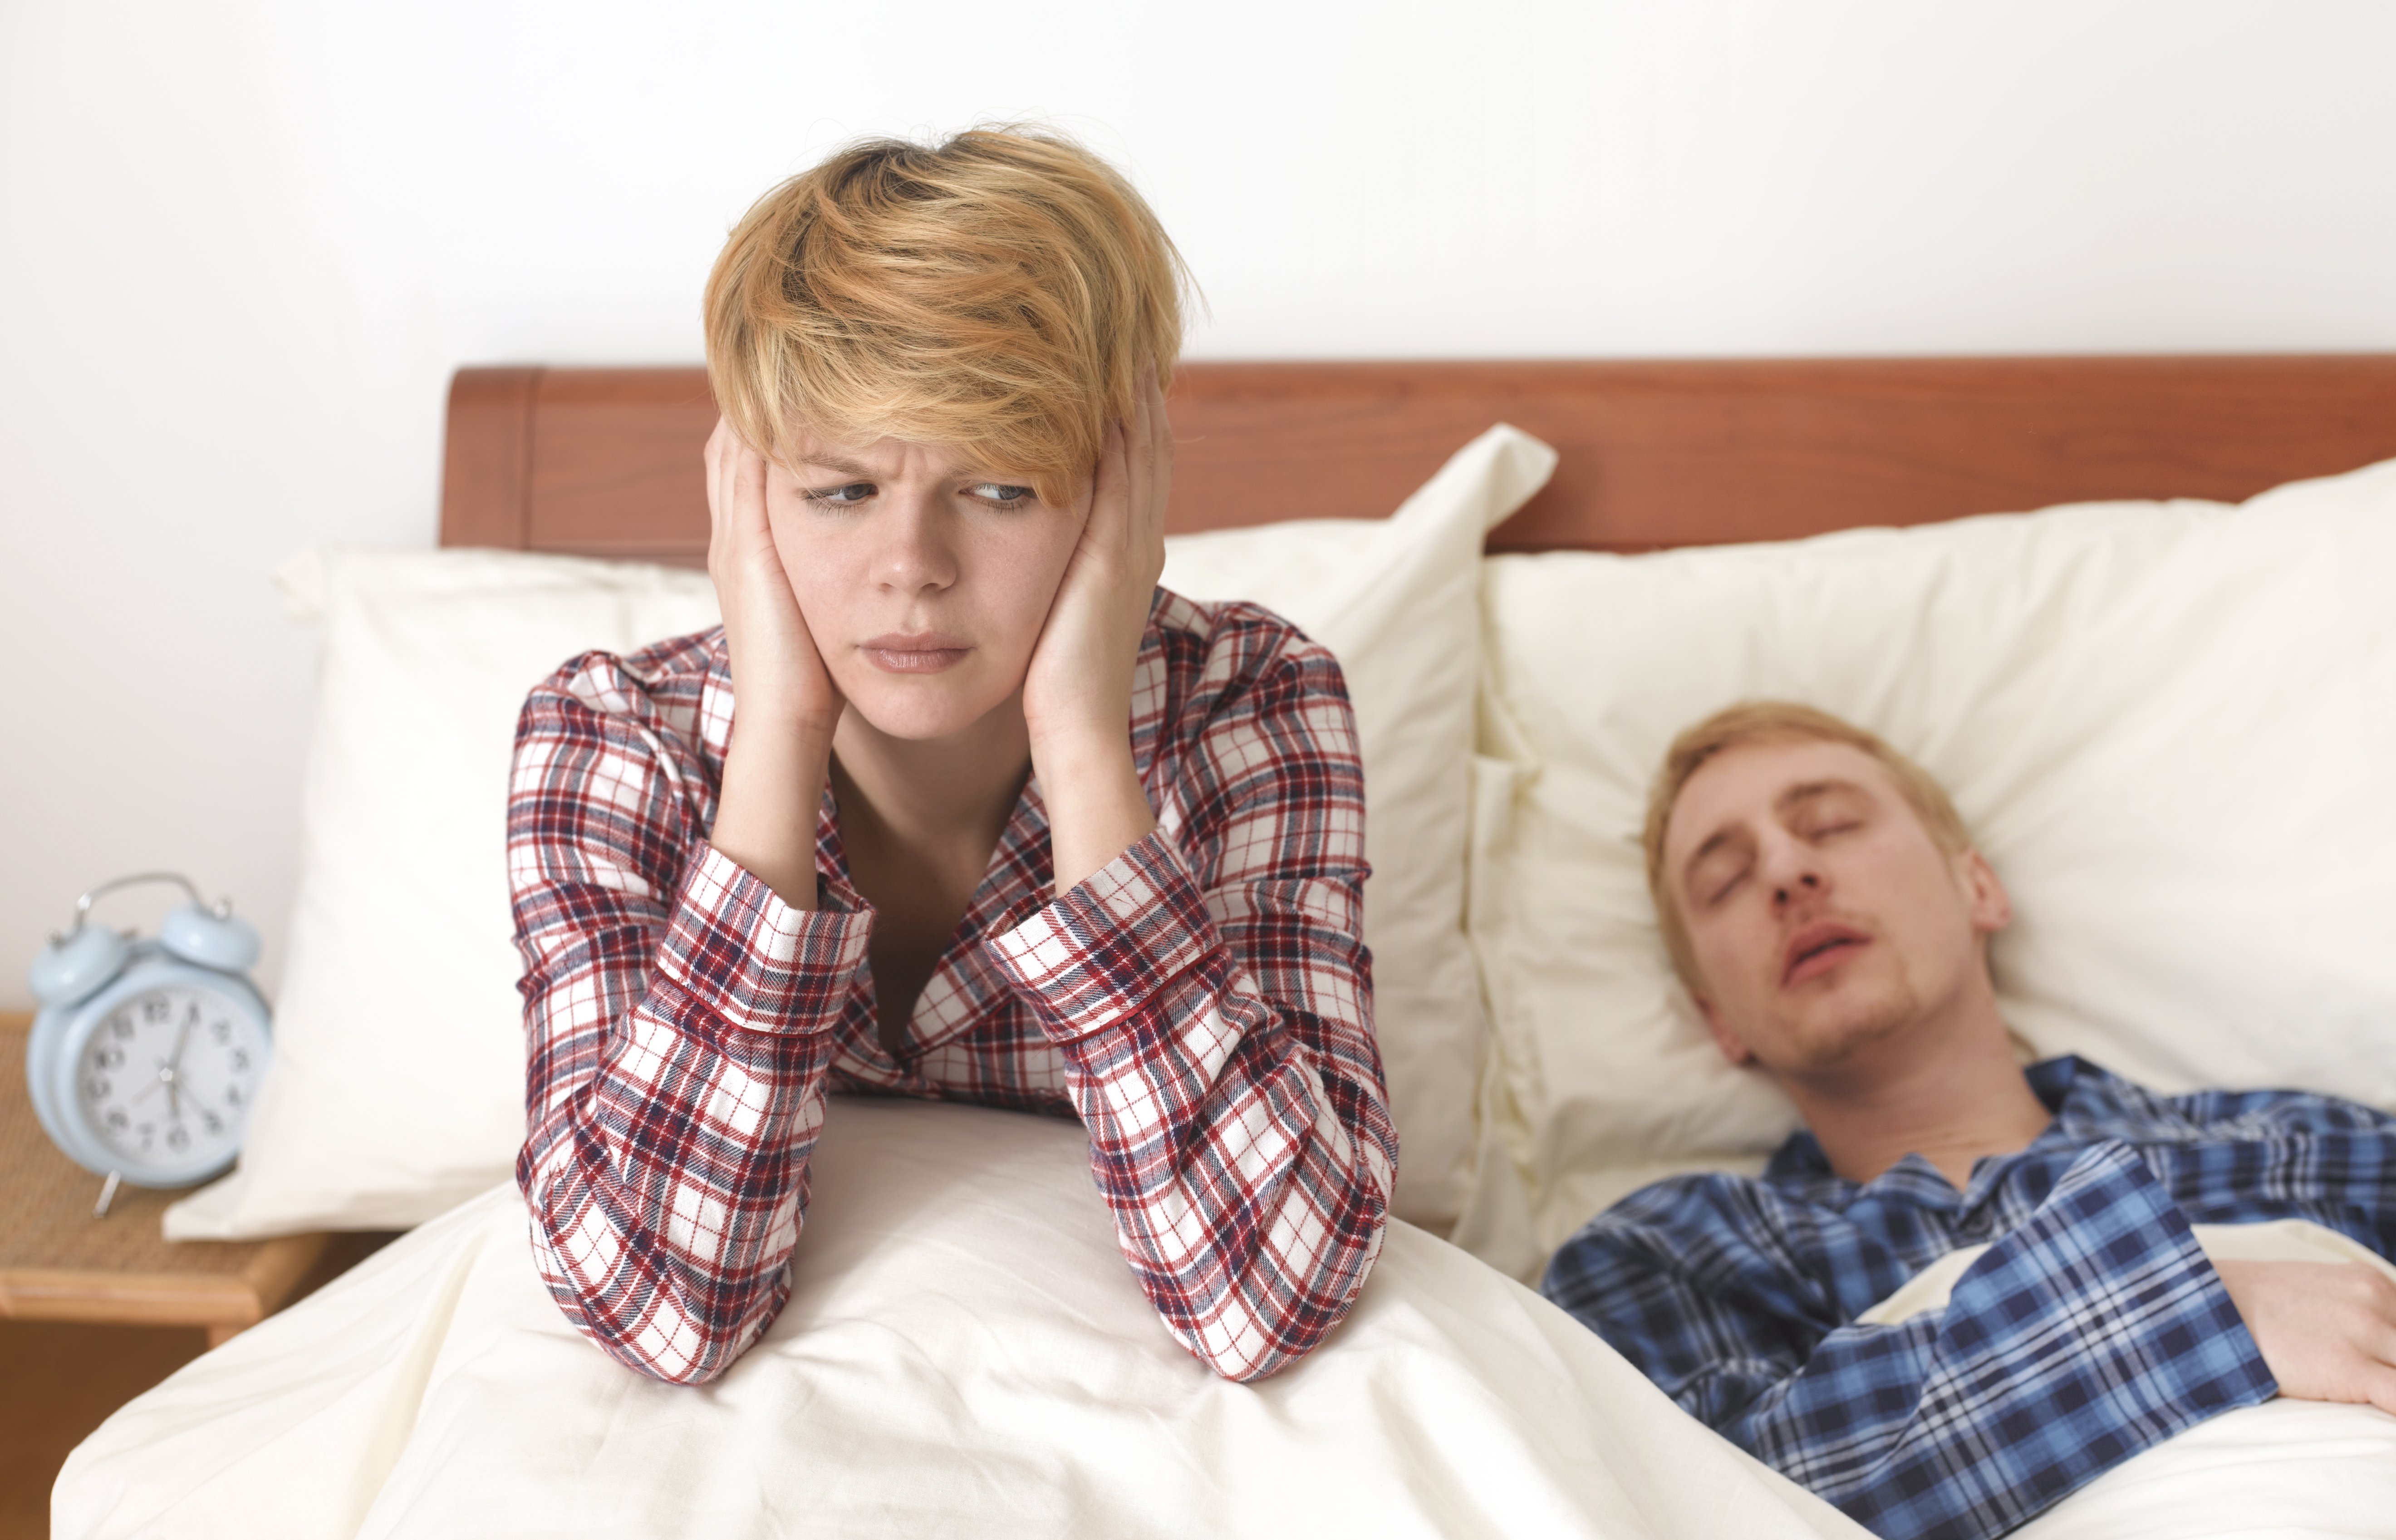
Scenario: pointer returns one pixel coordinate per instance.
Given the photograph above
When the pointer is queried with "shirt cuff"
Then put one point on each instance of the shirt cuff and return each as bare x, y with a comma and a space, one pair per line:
754, 961
1103, 950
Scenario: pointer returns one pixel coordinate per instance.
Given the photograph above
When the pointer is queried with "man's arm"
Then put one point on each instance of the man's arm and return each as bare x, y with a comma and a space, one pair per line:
2328, 1330
2095, 1330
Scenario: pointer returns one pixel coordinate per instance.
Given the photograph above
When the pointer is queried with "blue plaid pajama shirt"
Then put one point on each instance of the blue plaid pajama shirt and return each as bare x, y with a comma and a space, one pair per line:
2092, 1328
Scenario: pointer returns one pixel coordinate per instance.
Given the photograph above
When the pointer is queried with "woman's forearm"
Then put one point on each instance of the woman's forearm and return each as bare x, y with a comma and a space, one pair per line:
1096, 807
766, 809
1226, 1072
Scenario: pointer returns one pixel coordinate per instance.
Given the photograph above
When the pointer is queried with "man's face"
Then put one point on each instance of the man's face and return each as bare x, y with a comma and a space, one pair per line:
1822, 915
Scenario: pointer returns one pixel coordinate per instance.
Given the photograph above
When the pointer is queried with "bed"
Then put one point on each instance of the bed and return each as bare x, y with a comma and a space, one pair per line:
963, 1350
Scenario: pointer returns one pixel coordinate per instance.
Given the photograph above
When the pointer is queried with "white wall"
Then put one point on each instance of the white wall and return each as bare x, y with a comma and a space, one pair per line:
243, 244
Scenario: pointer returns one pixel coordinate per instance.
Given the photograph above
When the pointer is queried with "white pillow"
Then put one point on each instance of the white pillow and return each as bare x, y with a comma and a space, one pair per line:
397, 1087
2172, 727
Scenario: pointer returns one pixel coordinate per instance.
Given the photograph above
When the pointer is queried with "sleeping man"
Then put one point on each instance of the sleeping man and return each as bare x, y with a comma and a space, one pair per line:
1823, 902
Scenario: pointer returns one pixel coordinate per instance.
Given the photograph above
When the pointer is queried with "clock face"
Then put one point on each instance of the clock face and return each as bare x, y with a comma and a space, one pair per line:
167, 1078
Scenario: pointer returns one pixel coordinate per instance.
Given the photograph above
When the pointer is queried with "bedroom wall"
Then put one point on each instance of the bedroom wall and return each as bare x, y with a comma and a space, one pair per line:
242, 245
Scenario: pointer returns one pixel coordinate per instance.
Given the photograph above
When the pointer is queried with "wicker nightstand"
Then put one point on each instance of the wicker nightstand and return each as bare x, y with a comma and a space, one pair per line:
58, 1263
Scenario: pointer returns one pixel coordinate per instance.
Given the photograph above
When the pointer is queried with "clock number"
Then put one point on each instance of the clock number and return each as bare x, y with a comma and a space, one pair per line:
96, 1087
156, 1009
240, 1060
120, 1026
116, 1119
210, 1122
177, 1139
232, 1096
221, 1030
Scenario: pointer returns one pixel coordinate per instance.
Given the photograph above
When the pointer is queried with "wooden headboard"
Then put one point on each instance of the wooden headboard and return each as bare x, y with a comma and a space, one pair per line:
606, 462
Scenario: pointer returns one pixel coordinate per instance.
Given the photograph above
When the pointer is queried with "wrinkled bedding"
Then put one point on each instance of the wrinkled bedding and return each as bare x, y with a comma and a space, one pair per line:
963, 1352
2285, 1467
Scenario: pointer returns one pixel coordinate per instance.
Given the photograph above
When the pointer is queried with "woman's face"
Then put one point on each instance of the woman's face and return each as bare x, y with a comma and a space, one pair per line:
924, 578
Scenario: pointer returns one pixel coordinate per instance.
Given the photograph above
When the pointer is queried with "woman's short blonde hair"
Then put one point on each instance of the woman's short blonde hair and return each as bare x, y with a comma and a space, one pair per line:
1773, 722
1002, 294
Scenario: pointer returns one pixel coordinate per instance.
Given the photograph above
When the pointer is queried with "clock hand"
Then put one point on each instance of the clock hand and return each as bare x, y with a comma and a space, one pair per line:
170, 1080
171, 1071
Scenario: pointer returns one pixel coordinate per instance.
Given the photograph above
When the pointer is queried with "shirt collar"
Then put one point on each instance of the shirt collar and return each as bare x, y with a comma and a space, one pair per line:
2057, 1083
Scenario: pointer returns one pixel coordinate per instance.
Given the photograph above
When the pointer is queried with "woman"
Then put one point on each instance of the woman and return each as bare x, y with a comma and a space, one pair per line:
996, 818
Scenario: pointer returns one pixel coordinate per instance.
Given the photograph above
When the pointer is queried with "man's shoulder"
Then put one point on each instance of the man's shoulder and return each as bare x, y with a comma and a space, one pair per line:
1721, 1233
2099, 1104
1722, 1203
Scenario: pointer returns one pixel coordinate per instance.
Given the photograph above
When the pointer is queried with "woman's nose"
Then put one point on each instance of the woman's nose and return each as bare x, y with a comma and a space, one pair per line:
914, 553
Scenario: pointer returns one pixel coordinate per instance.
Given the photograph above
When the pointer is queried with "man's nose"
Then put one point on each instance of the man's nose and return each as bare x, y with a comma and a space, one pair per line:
1793, 872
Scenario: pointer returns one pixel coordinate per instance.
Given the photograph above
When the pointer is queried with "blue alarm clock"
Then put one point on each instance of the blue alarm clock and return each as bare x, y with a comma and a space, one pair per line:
146, 1056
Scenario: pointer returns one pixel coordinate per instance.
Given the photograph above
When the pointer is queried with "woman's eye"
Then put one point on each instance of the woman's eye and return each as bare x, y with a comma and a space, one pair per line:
841, 497
1000, 493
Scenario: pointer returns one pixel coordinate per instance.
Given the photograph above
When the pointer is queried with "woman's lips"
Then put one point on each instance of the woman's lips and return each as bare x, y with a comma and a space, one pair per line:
921, 652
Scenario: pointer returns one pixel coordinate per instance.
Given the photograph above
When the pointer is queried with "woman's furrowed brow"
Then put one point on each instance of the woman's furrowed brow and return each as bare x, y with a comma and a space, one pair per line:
838, 467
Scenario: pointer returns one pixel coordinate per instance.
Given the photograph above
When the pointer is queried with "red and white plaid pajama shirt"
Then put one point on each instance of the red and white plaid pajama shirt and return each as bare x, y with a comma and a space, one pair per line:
1202, 1005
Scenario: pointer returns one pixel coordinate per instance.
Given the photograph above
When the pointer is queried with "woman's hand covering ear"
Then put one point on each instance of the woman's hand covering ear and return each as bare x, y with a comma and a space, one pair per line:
787, 703
1077, 694
777, 673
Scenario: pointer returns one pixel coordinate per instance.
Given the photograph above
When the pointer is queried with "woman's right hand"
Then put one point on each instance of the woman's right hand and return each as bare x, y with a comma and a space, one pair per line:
784, 704
777, 675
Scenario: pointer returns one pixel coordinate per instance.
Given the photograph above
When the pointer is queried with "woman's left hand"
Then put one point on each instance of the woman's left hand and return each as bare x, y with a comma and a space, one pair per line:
1077, 692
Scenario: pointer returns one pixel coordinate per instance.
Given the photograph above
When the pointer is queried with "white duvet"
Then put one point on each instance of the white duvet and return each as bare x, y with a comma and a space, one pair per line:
964, 1353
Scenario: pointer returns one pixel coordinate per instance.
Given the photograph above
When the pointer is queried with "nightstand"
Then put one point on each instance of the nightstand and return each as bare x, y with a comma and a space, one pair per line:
58, 1263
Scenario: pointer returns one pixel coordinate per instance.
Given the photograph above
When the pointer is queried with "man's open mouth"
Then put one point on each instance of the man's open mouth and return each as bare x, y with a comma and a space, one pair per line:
1817, 948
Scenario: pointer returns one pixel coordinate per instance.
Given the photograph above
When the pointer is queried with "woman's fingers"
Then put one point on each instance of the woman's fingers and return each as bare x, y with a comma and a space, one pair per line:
748, 492
1139, 446
1110, 491
1159, 426
714, 458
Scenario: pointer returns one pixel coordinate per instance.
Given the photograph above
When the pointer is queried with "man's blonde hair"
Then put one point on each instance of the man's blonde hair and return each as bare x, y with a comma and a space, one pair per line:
1773, 722
1002, 293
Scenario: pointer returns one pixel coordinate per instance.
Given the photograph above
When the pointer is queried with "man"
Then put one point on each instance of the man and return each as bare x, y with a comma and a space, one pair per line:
1823, 901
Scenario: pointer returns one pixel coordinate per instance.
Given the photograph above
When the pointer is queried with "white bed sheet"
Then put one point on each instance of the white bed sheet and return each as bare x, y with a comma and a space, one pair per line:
964, 1352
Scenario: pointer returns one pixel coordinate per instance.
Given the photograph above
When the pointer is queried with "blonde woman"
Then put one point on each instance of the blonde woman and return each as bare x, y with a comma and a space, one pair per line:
956, 802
